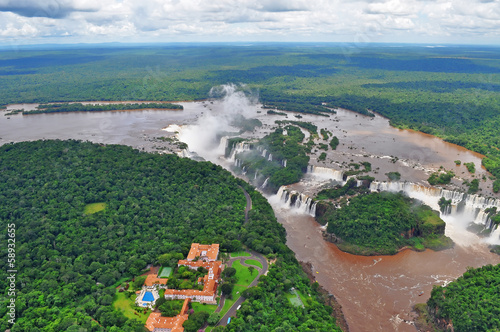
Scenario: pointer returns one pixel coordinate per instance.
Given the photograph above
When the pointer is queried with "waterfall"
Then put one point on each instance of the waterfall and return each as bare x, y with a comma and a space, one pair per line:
184, 153
238, 148
465, 205
324, 172
283, 163
298, 201
270, 158
264, 184
285, 132
223, 144
264, 153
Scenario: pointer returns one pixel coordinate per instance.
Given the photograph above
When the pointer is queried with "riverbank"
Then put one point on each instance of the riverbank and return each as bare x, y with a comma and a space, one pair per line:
328, 298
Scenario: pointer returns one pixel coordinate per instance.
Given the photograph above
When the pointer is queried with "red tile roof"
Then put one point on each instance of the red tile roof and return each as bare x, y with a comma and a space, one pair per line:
155, 320
204, 251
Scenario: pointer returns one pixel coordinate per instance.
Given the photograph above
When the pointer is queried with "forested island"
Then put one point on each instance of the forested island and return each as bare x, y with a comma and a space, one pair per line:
79, 107
279, 157
470, 303
88, 216
382, 224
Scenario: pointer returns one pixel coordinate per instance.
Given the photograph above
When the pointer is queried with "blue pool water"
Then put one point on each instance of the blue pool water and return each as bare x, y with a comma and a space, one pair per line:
148, 296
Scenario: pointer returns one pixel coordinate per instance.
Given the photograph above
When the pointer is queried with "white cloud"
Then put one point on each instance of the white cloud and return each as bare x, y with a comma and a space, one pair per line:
280, 20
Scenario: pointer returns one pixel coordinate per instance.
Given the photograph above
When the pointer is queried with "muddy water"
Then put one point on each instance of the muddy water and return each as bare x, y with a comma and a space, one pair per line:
136, 128
377, 293
372, 139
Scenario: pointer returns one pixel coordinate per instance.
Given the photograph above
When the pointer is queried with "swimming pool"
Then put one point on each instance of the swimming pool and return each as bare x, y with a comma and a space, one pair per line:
148, 297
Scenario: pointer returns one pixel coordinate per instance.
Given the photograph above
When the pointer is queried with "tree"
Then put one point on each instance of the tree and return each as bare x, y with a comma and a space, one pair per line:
229, 272
251, 269
139, 281
227, 288
214, 318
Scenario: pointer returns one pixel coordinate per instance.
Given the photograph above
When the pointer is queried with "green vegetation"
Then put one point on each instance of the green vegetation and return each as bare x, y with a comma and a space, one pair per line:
349, 188
282, 147
185, 278
471, 167
451, 92
355, 168
156, 205
79, 107
470, 303
296, 298
313, 129
322, 156
271, 112
254, 262
165, 272
325, 134
444, 204
393, 176
323, 146
125, 303
473, 186
240, 254
169, 308
197, 306
195, 321
440, 177
93, 208
458, 162
383, 223
334, 142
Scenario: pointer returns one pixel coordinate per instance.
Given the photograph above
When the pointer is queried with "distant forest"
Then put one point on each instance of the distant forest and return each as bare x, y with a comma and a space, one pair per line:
451, 92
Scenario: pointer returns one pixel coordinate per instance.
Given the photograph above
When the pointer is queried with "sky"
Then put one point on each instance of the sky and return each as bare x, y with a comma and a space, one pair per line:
358, 21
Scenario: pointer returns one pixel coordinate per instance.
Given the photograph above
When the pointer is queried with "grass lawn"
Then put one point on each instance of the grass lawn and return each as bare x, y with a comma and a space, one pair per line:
254, 262
243, 276
294, 298
127, 307
243, 280
240, 254
166, 272
93, 208
210, 308
121, 281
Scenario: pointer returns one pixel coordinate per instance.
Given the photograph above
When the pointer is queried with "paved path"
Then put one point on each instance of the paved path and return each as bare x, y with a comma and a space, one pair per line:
254, 255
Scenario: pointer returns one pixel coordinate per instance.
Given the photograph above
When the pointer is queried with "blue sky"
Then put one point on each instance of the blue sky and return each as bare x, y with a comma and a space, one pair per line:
97, 21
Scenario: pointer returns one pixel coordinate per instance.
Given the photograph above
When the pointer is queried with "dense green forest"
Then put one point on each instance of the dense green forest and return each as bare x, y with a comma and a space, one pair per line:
451, 92
79, 107
283, 147
470, 303
383, 223
70, 255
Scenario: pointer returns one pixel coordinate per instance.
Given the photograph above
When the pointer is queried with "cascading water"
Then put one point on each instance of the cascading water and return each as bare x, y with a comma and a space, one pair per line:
270, 158
463, 206
298, 201
238, 148
324, 172
264, 184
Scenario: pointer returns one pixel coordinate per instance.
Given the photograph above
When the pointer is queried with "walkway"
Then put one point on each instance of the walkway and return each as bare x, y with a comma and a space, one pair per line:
265, 266
253, 255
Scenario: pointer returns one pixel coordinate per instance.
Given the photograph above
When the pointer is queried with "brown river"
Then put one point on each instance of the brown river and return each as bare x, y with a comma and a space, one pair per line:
376, 293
